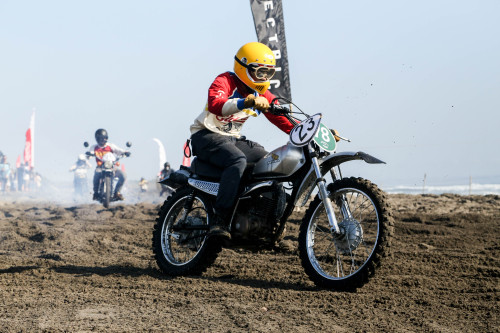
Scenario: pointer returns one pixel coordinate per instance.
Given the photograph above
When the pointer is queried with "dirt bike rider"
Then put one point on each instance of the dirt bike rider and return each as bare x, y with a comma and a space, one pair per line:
215, 134
102, 148
164, 173
80, 169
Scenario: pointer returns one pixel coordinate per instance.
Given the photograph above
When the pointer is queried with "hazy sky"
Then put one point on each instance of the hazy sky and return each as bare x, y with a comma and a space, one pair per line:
414, 83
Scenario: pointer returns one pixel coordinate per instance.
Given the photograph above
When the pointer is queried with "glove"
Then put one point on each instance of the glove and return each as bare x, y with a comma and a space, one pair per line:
89, 154
261, 103
127, 153
249, 101
335, 135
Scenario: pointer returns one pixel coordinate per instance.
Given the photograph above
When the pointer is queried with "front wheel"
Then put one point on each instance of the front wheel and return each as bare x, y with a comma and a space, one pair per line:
106, 196
346, 261
180, 242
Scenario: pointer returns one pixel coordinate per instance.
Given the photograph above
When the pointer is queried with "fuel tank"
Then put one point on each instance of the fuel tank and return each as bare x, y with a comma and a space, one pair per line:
281, 162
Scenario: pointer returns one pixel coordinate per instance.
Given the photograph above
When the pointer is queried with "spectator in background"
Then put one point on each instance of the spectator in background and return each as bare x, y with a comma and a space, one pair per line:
13, 180
38, 181
26, 177
20, 178
4, 173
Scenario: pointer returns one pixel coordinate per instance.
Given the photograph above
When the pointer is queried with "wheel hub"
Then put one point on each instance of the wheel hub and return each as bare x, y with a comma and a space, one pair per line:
351, 235
183, 237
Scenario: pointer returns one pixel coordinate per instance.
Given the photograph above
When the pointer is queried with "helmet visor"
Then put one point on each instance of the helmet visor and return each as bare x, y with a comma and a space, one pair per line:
261, 72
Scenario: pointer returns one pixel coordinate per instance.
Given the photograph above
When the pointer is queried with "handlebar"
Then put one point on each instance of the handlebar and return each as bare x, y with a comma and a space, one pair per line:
281, 110
126, 154
278, 109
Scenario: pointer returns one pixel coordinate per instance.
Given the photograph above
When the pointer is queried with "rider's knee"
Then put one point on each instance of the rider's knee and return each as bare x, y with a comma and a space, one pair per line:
238, 160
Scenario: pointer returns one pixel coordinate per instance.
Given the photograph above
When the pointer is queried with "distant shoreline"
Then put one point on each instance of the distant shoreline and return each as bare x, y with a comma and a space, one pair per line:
472, 189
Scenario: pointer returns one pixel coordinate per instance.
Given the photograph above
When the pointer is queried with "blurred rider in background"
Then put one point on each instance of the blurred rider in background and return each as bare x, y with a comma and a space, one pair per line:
164, 173
102, 148
80, 169
143, 185
215, 134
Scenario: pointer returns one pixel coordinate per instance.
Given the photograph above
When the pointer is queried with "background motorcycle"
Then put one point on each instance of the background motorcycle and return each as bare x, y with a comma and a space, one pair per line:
80, 169
106, 184
344, 234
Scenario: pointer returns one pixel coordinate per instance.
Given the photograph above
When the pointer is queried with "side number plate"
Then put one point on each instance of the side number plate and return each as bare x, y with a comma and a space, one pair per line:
325, 139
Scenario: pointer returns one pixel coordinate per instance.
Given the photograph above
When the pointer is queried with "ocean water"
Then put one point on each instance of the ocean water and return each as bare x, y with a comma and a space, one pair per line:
472, 189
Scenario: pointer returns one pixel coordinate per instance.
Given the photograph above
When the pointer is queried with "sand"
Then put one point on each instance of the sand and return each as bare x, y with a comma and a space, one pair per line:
82, 268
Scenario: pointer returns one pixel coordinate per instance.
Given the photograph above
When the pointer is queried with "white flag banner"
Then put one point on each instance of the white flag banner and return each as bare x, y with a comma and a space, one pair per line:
161, 153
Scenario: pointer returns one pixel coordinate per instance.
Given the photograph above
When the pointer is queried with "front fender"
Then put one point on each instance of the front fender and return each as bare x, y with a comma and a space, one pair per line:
325, 165
336, 159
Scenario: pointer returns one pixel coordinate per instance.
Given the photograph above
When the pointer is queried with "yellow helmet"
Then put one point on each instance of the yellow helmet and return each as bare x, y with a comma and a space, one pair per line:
254, 64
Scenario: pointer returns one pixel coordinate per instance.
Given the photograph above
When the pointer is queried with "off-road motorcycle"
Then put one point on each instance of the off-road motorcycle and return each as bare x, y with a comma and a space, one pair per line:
80, 181
106, 182
344, 234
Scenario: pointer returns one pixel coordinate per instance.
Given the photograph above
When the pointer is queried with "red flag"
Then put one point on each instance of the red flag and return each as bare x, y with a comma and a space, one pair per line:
186, 161
18, 161
27, 148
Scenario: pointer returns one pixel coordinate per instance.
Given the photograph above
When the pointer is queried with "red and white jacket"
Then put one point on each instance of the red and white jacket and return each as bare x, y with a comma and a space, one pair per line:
224, 112
108, 148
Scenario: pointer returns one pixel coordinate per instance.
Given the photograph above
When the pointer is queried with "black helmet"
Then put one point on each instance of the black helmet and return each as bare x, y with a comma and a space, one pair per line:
101, 136
166, 165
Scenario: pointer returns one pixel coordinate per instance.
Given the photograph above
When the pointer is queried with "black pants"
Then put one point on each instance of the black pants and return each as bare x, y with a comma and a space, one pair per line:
230, 154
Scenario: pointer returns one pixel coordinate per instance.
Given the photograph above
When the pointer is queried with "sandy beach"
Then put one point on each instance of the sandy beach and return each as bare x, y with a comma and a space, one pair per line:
82, 268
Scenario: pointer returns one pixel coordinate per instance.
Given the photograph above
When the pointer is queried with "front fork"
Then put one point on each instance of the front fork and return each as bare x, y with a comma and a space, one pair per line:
341, 200
332, 220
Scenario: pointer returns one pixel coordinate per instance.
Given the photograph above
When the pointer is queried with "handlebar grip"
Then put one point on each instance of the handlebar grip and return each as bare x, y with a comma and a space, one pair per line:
278, 109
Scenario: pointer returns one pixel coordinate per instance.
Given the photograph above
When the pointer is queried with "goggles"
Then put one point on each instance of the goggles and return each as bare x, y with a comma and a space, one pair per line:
258, 72
261, 72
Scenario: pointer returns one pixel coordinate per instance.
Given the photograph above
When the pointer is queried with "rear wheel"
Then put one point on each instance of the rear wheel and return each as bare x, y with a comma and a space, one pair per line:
348, 261
180, 244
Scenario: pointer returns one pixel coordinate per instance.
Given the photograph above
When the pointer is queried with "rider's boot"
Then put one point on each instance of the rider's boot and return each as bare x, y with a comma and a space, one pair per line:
95, 197
221, 227
118, 196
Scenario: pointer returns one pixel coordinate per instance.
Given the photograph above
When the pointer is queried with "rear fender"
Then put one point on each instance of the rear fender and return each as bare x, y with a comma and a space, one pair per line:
176, 179
327, 163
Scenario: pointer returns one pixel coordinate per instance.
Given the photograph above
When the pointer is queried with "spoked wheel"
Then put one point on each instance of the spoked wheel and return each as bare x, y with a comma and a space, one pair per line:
107, 190
346, 261
180, 244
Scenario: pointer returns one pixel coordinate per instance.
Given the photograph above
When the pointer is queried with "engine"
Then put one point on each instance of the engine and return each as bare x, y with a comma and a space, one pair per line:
258, 214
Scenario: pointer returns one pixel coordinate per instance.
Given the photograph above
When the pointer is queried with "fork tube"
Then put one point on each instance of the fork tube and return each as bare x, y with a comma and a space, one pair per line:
324, 196
333, 174
344, 207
